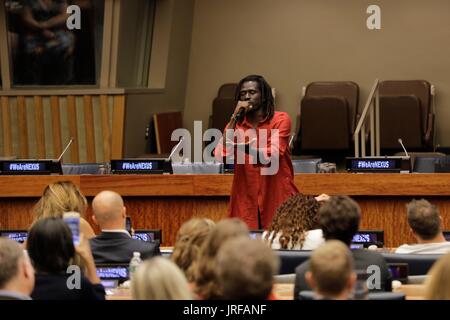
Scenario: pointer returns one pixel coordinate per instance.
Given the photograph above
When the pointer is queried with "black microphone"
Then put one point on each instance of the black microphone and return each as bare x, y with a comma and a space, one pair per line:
403, 146
240, 115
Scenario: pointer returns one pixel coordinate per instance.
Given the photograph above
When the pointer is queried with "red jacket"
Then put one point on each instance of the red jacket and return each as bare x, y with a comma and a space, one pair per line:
251, 189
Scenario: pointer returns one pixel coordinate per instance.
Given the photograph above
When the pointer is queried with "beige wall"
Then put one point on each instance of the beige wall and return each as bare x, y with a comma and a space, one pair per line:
141, 106
294, 42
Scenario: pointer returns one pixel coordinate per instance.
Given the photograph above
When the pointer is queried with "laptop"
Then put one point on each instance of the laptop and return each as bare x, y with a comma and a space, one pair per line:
154, 235
256, 234
16, 235
111, 275
446, 235
399, 271
366, 238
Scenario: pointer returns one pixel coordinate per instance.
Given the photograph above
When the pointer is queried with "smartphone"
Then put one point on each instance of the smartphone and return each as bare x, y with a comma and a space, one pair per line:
128, 224
73, 220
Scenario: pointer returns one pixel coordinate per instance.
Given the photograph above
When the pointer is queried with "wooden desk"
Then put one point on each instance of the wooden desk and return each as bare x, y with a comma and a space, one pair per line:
166, 201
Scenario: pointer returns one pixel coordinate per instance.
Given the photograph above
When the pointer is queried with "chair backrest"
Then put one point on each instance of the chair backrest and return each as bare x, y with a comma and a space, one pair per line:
227, 90
290, 259
324, 123
401, 117
223, 106
418, 88
83, 168
165, 124
419, 264
349, 90
309, 295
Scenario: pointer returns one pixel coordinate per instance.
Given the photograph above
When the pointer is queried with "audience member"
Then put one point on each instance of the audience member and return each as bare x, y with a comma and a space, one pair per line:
114, 244
331, 272
189, 240
47, 44
339, 220
206, 286
426, 226
246, 269
159, 279
51, 249
294, 225
437, 285
60, 197
16, 271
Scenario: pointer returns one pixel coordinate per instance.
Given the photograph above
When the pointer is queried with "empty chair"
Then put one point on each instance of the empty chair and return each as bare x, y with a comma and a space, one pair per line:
405, 112
165, 124
328, 116
223, 106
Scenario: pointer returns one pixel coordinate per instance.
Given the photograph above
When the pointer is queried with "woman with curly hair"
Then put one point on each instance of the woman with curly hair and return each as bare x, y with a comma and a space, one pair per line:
294, 226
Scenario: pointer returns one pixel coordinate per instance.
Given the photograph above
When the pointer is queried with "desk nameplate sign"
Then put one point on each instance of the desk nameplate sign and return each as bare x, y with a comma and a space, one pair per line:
141, 166
30, 167
379, 164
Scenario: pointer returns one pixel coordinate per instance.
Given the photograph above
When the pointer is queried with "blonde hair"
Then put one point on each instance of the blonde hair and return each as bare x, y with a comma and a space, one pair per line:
190, 238
159, 279
60, 197
437, 285
331, 266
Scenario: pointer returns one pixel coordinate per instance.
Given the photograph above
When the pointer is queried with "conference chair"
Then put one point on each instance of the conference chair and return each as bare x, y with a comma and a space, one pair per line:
406, 113
165, 124
290, 259
223, 106
327, 118
309, 295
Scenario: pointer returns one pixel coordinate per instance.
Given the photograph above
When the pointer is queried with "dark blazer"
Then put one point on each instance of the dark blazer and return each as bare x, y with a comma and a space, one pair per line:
54, 287
361, 260
118, 247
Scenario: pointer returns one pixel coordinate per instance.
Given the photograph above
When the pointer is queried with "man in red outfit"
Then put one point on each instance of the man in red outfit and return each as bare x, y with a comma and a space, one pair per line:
257, 142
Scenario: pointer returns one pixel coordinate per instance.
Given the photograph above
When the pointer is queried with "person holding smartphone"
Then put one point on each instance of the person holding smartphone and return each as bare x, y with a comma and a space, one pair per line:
51, 248
256, 140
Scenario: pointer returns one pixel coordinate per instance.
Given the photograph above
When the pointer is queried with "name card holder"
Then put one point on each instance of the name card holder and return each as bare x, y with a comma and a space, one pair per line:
141, 166
30, 167
379, 164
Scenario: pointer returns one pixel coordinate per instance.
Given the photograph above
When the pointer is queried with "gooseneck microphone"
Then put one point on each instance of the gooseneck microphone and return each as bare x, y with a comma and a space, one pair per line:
403, 146
65, 149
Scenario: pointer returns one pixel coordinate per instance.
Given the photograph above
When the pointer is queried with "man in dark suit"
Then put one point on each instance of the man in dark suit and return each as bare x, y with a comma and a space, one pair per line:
339, 220
16, 272
114, 244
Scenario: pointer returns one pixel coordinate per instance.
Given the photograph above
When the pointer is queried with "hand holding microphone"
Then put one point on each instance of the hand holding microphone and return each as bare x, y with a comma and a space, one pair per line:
241, 109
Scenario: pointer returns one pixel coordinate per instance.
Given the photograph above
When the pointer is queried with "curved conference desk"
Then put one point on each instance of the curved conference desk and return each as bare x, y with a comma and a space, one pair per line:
166, 201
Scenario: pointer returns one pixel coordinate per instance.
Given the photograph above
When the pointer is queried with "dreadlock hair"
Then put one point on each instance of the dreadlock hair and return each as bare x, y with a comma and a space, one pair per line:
267, 100
293, 219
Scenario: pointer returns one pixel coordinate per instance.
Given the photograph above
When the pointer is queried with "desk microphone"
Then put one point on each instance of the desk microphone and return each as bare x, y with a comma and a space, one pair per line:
175, 149
403, 146
65, 149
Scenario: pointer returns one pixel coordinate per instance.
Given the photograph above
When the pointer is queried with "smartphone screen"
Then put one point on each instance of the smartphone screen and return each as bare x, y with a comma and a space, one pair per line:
128, 224
73, 220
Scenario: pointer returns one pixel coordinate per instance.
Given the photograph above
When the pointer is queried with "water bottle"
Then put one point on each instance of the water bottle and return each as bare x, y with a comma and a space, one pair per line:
360, 290
134, 263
